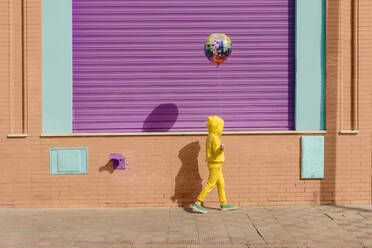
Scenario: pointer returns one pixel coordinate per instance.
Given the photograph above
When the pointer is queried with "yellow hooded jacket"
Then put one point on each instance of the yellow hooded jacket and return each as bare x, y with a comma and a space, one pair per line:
213, 143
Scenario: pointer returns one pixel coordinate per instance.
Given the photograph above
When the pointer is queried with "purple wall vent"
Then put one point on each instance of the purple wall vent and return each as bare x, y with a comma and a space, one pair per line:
118, 161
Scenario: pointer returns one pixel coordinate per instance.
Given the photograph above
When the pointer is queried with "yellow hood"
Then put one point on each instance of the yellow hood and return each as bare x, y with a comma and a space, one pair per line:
215, 125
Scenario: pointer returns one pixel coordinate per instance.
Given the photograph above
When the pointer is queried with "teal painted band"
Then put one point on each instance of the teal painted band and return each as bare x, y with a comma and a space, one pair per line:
68, 161
312, 157
310, 65
57, 66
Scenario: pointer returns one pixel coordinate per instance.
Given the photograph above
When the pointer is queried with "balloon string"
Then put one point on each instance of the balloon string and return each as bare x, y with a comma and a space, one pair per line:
219, 91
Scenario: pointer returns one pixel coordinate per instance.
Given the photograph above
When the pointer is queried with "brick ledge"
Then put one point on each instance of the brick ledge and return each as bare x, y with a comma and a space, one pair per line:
177, 133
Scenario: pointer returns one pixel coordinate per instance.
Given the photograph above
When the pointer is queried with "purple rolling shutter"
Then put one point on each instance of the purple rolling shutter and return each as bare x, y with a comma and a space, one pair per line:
139, 65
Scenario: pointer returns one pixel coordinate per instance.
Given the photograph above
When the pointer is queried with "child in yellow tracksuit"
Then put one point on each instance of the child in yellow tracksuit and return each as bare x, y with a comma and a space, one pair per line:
215, 158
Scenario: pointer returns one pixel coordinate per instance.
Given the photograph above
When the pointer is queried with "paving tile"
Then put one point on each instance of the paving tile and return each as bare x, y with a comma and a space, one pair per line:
260, 227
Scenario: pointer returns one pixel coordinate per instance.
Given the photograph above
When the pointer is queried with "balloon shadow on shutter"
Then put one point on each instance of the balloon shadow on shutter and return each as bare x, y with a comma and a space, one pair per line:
161, 119
188, 183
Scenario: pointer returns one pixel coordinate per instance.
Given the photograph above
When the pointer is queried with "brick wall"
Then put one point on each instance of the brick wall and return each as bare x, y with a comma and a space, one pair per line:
170, 170
353, 167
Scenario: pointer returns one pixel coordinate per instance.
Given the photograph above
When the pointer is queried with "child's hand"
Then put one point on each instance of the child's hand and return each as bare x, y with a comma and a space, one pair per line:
222, 147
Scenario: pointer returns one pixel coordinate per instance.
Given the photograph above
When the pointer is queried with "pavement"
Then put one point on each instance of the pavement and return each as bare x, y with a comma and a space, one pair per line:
324, 226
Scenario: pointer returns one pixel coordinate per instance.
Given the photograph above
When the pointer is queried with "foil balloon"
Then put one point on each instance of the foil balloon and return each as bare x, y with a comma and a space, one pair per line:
218, 48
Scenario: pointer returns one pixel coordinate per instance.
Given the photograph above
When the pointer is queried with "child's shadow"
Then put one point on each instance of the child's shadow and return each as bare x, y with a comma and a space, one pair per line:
188, 180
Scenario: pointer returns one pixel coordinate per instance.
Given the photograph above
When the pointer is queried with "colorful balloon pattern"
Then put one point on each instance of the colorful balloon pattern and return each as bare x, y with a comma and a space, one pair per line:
218, 48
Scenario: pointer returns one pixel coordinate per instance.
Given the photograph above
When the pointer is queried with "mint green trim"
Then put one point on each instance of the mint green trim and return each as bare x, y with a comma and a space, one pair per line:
324, 63
68, 161
310, 65
57, 66
312, 157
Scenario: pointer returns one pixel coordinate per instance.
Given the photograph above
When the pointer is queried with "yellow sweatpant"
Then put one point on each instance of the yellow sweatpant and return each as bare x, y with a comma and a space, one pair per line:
215, 177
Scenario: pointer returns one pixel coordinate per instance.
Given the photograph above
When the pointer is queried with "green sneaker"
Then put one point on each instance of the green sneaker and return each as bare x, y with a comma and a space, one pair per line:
199, 209
227, 207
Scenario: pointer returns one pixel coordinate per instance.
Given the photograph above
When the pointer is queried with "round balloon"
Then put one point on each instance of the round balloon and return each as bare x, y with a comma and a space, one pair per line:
217, 48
